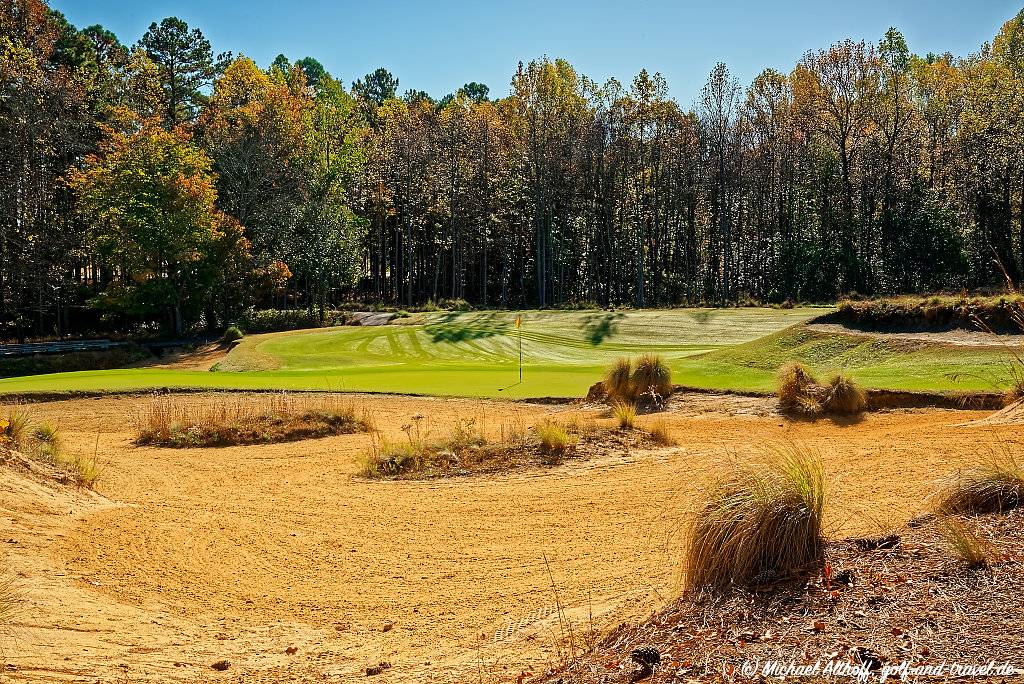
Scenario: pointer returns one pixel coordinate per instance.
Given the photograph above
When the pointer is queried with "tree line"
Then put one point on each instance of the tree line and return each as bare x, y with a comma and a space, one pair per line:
161, 186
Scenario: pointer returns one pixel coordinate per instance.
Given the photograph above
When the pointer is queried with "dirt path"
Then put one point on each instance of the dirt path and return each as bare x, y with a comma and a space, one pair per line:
959, 338
200, 555
202, 358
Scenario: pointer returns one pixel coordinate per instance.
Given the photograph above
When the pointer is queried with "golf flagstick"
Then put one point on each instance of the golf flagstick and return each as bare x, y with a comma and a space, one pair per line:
519, 327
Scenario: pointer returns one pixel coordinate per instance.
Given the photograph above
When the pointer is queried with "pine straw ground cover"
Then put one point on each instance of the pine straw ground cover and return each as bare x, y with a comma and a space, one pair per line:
876, 603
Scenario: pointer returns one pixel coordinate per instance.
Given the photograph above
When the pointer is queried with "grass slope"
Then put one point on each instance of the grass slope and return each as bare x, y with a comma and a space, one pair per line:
874, 362
464, 354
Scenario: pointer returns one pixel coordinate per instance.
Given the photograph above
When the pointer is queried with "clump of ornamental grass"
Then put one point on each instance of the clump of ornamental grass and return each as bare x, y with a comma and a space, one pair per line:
843, 396
974, 551
265, 419
994, 486
86, 470
618, 383
651, 375
800, 392
232, 334
758, 523
647, 381
14, 428
624, 413
795, 383
1014, 391
48, 435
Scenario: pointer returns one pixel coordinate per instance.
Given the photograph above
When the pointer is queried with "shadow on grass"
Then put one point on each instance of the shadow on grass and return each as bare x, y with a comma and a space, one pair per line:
598, 327
703, 316
448, 328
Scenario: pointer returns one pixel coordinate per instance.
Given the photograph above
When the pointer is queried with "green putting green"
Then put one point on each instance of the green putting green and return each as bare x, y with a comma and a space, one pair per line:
461, 354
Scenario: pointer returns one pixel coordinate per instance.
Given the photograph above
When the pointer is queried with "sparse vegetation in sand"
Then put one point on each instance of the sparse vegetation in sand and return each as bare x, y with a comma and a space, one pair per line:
555, 439
758, 523
624, 413
22, 437
263, 419
800, 392
466, 449
660, 434
995, 485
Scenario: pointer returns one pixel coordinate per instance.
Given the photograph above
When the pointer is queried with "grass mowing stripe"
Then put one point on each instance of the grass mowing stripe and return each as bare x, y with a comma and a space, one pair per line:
476, 354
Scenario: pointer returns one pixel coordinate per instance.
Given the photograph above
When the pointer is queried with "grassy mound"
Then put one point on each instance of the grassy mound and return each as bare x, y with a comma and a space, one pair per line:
872, 362
174, 422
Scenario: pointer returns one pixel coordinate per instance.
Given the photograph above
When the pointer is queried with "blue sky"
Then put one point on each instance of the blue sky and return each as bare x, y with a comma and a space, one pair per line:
437, 46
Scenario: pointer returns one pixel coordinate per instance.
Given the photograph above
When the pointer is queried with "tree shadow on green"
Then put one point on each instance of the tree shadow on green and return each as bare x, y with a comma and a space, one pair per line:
598, 327
449, 327
702, 316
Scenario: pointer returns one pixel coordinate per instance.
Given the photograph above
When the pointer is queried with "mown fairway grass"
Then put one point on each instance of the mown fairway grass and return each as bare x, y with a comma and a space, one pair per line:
461, 354
476, 354
873, 362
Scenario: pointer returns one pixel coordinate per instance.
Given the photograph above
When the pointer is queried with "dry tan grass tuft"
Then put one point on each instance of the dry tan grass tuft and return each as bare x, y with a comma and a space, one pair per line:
660, 434
42, 442
843, 396
758, 524
968, 546
625, 414
15, 427
795, 382
554, 438
1015, 392
618, 380
800, 392
994, 486
264, 419
648, 381
651, 375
